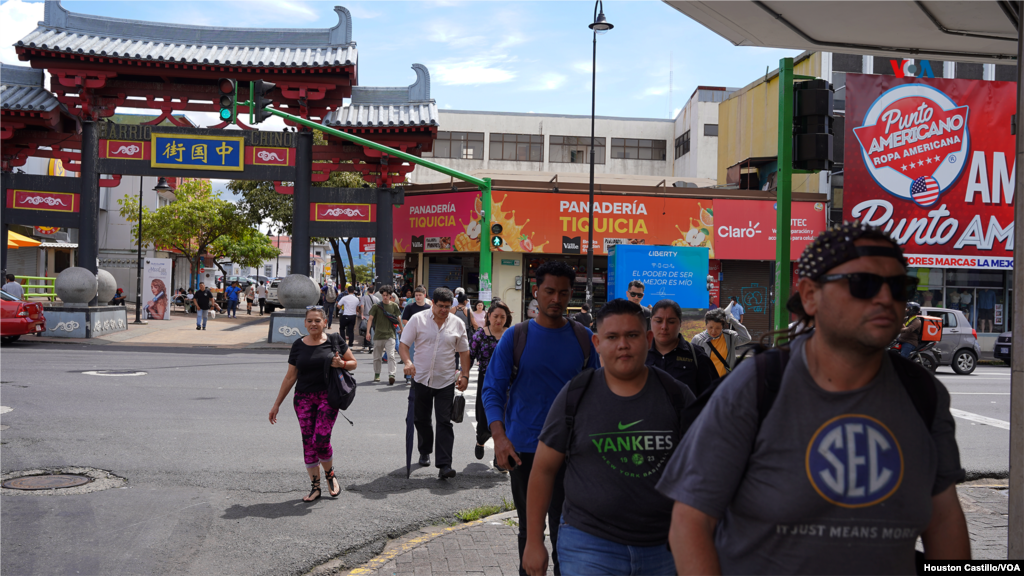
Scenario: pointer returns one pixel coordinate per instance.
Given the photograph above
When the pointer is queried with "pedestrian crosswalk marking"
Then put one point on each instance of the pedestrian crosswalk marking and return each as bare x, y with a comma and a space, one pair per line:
470, 394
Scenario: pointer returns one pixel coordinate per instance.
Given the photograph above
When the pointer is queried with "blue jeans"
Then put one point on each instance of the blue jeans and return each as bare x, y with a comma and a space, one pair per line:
233, 308
412, 356
329, 309
907, 349
582, 553
201, 317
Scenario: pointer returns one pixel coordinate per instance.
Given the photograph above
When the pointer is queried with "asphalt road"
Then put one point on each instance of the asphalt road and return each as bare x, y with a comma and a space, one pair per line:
213, 488
985, 441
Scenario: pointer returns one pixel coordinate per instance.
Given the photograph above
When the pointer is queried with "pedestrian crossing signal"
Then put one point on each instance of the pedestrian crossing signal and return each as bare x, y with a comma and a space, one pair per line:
227, 88
496, 241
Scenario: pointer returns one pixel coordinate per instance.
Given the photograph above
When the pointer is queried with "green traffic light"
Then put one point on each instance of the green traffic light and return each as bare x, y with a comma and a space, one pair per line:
225, 113
496, 241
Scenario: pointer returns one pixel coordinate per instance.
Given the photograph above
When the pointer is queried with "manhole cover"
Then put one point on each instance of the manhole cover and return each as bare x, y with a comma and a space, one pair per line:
114, 373
47, 482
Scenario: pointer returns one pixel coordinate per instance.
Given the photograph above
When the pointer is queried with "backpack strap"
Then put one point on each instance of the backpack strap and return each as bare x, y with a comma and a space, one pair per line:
920, 386
771, 364
675, 395
518, 346
577, 387
583, 337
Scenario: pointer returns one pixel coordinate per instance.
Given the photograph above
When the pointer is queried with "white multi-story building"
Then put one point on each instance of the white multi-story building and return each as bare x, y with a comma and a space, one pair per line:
511, 142
695, 148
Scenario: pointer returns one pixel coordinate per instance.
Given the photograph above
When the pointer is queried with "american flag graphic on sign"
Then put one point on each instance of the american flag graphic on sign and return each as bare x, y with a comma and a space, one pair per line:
925, 191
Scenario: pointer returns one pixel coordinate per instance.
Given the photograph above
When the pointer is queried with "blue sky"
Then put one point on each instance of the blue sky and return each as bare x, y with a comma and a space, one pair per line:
494, 56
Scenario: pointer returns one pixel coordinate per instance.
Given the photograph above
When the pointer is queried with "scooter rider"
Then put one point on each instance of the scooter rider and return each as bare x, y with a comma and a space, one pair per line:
910, 335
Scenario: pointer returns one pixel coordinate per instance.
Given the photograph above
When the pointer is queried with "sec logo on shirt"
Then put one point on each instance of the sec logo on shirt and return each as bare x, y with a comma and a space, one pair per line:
854, 461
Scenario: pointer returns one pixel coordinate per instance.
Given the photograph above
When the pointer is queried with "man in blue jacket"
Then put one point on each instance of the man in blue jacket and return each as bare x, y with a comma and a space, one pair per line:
553, 355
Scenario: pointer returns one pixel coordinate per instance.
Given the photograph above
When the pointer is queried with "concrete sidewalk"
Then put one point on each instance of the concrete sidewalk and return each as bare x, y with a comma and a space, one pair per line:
243, 332
489, 546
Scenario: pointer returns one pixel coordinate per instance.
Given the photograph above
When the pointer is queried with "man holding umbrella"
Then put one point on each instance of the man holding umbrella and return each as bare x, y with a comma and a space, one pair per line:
438, 336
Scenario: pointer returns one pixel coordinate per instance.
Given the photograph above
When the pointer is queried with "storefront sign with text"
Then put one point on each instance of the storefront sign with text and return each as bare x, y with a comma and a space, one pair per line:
932, 162
745, 229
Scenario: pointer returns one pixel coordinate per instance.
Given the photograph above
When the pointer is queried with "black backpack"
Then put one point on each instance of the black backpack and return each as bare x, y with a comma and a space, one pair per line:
579, 384
520, 331
771, 364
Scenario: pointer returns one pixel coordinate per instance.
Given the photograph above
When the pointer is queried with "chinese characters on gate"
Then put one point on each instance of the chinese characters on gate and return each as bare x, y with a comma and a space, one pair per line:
206, 152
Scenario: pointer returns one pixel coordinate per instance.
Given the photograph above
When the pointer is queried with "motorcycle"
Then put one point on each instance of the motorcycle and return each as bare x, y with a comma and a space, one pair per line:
926, 355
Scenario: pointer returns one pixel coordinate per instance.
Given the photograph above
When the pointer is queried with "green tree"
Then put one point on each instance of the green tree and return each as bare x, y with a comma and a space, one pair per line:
190, 224
362, 273
249, 249
262, 205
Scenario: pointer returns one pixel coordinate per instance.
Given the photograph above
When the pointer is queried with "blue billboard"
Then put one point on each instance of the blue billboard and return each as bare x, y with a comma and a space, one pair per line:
673, 272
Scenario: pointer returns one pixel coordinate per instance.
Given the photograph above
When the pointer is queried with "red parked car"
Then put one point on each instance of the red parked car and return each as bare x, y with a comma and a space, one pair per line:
19, 317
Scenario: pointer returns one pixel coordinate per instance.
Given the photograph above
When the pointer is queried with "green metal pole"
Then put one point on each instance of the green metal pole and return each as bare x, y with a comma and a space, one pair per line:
485, 240
784, 196
381, 148
252, 87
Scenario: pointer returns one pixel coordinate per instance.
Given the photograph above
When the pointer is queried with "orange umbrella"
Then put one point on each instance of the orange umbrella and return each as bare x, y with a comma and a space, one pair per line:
15, 240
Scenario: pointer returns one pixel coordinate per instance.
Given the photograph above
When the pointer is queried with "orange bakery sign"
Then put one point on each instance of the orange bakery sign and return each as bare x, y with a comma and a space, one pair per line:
558, 223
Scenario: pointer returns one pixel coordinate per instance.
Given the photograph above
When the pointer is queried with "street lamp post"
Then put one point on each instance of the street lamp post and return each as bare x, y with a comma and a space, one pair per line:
161, 186
599, 26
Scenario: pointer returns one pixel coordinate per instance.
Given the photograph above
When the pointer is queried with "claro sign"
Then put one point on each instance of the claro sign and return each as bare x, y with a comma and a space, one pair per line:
745, 229
932, 162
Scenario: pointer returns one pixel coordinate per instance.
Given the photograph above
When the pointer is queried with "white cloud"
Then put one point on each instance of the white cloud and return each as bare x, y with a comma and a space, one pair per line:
19, 18
585, 67
474, 71
675, 113
548, 81
447, 106
655, 91
361, 12
513, 39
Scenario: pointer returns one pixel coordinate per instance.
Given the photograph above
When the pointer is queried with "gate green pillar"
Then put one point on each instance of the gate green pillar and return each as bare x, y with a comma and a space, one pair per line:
784, 193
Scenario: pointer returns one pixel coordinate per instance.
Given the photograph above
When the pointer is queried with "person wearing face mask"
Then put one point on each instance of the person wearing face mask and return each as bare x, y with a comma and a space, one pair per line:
719, 342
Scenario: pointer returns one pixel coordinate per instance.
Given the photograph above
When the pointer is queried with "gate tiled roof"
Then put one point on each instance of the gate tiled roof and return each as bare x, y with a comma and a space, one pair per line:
374, 107
21, 88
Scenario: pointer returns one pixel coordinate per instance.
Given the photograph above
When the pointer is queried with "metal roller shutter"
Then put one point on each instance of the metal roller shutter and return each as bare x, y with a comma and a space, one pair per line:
23, 261
449, 275
750, 282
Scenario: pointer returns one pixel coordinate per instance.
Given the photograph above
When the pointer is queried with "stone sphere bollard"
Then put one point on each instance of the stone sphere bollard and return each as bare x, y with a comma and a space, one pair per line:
76, 286
107, 287
296, 292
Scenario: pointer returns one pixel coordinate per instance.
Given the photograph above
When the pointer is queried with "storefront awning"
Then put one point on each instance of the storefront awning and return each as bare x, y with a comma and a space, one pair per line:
960, 31
15, 240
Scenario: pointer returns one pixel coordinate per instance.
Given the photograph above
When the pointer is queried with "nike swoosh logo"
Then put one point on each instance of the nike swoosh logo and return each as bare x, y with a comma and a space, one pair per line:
625, 426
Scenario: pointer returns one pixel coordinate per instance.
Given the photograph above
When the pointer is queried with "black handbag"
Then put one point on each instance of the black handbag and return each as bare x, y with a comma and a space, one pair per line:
341, 386
458, 408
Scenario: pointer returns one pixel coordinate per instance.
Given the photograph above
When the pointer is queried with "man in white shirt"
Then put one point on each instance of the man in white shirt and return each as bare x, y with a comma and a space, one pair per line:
13, 288
261, 296
349, 307
438, 336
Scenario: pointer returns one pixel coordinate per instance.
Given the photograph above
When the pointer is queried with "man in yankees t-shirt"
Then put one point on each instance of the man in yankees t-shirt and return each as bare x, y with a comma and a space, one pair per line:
625, 429
843, 474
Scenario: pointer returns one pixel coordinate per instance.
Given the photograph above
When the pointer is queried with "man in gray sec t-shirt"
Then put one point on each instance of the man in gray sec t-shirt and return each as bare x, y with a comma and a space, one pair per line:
842, 475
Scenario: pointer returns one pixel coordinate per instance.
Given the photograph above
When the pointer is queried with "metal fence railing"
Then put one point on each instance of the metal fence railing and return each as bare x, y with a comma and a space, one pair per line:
43, 287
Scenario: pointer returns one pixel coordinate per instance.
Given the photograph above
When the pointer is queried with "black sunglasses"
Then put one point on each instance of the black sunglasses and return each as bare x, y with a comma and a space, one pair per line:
637, 294
864, 285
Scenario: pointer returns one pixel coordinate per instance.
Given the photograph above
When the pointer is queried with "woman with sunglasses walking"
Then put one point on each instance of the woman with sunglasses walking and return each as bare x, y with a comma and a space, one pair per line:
306, 363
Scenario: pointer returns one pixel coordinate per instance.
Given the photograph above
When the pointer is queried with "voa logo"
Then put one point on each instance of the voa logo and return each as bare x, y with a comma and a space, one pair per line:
854, 461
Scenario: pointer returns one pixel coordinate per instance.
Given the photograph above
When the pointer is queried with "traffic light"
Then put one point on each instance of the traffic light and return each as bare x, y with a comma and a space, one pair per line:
261, 99
496, 241
228, 94
812, 125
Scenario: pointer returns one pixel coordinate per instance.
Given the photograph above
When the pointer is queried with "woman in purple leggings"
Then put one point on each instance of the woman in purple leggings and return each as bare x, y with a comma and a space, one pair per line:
316, 417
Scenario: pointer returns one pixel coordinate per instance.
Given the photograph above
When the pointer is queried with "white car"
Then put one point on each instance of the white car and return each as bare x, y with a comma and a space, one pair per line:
272, 302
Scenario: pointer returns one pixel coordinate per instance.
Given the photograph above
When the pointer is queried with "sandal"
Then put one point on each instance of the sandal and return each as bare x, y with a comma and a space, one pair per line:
333, 481
315, 488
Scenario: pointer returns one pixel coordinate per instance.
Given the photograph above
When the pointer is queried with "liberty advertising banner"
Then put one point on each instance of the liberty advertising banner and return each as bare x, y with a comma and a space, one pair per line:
932, 161
156, 279
668, 272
